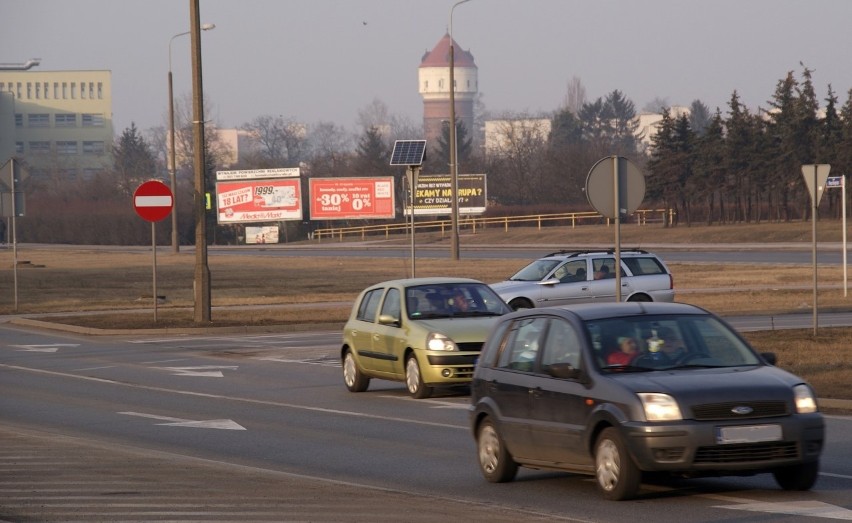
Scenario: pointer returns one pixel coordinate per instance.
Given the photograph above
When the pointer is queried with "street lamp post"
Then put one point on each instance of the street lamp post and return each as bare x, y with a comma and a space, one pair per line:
171, 159
454, 164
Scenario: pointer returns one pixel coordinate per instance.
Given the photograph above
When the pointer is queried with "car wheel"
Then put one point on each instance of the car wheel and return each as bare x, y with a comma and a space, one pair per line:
618, 477
644, 298
520, 303
797, 477
495, 462
414, 379
353, 378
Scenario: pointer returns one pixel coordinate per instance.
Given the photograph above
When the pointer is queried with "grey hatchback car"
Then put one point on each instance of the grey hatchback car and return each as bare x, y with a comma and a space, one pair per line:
568, 277
618, 389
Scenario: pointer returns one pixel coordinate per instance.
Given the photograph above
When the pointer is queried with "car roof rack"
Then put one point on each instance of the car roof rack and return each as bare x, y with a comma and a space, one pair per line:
579, 252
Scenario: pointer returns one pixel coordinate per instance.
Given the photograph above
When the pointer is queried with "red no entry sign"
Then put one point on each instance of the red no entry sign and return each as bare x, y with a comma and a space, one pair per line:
153, 200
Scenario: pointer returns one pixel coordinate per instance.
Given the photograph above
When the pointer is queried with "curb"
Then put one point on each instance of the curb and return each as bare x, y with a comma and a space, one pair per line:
235, 329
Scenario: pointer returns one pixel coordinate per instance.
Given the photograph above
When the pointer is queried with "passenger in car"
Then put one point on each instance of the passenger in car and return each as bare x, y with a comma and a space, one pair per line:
627, 351
602, 273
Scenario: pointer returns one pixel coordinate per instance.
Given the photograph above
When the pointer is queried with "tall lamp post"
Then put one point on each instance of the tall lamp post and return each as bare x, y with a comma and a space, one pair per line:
454, 164
171, 159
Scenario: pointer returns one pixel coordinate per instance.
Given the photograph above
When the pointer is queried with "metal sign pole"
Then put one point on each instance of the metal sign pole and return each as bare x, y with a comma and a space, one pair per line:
843, 192
411, 184
616, 205
814, 204
14, 232
154, 265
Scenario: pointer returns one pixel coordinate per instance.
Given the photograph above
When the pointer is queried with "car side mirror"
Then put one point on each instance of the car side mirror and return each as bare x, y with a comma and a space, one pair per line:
770, 358
564, 371
387, 319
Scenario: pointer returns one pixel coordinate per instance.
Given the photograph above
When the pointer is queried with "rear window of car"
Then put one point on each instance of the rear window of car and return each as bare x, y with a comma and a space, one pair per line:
369, 305
642, 266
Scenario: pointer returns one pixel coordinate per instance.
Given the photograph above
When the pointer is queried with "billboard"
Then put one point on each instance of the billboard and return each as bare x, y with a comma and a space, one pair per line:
352, 198
434, 195
259, 200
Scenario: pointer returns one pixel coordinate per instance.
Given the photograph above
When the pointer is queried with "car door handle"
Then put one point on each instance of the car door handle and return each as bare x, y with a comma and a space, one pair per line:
536, 392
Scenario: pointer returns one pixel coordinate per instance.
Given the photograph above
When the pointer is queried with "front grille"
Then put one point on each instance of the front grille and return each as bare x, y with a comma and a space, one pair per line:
745, 453
724, 411
447, 361
470, 346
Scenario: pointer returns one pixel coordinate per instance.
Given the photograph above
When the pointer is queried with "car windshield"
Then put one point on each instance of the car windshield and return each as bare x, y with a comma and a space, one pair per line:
445, 300
646, 343
536, 270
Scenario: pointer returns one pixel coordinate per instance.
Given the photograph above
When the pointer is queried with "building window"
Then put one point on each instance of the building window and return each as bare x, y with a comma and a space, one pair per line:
441, 83
29, 90
91, 90
68, 172
90, 173
82, 90
46, 90
40, 147
19, 147
93, 147
38, 91
56, 90
426, 85
100, 91
73, 90
18, 91
65, 120
38, 120
93, 120
66, 147
19, 120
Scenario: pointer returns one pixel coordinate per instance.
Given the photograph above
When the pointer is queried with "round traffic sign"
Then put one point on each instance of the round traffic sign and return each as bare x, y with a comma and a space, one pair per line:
153, 200
615, 179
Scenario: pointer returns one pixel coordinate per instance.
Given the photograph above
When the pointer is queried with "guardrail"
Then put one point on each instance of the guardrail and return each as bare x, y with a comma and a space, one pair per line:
472, 223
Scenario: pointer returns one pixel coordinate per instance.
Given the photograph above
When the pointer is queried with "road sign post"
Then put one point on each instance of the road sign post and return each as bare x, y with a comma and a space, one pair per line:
153, 201
615, 187
815, 176
835, 182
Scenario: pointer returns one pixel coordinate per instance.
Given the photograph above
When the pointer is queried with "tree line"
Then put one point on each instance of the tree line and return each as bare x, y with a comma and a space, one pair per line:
725, 166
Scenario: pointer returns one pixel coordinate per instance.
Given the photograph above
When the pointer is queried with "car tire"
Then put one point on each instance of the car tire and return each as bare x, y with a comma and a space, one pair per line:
617, 476
353, 378
797, 477
495, 462
520, 303
414, 379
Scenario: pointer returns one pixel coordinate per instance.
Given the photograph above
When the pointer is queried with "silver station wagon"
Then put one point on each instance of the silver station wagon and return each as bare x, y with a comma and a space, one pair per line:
567, 277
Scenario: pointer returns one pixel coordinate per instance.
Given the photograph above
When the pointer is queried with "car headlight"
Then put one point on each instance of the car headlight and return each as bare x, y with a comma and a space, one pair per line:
804, 399
438, 341
659, 407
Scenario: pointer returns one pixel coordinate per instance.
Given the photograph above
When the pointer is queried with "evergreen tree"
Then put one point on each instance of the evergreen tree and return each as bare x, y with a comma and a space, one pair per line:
133, 160
699, 117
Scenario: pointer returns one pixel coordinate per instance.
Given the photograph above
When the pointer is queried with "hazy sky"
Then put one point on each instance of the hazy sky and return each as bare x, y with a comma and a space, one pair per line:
324, 60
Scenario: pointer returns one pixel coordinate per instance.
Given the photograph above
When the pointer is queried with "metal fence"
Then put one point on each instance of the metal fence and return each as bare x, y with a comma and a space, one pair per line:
473, 223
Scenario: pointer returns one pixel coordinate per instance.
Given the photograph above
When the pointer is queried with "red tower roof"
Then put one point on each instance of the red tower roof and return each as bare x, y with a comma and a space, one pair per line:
440, 55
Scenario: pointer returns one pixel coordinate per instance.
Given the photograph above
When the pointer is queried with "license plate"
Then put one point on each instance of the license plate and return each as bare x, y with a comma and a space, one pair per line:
748, 434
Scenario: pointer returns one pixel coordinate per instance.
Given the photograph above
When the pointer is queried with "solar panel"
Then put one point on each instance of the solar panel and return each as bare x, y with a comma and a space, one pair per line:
408, 152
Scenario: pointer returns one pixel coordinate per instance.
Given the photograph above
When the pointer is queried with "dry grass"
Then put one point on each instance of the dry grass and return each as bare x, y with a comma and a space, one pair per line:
271, 290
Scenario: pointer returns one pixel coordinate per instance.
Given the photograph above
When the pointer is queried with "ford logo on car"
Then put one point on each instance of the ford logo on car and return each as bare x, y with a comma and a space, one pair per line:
742, 410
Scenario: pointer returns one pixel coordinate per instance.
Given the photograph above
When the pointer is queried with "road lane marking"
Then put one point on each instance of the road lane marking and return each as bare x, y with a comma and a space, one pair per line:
204, 371
249, 401
222, 424
50, 347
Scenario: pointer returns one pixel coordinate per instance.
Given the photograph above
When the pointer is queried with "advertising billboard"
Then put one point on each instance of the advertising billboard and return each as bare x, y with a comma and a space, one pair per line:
352, 198
259, 200
434, 195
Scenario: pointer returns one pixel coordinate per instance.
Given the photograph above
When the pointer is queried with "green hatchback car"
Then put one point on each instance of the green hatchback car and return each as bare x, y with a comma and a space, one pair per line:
427, 332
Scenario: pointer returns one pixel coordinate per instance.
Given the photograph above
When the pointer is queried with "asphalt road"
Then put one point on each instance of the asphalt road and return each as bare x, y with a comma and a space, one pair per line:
260, 428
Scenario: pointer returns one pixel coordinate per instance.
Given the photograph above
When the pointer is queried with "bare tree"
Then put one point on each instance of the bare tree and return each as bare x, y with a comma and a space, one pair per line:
575, 95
